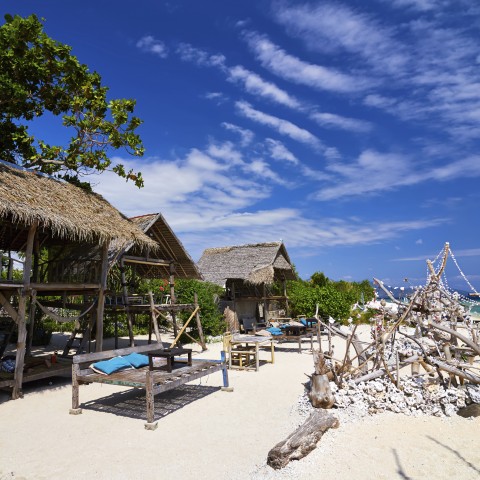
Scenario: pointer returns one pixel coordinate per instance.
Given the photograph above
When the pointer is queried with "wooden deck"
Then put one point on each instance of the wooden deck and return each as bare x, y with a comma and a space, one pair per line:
38, 372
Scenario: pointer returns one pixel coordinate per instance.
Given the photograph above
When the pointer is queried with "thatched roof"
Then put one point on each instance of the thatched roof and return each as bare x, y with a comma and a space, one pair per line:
63, 212
169, 248
256, 264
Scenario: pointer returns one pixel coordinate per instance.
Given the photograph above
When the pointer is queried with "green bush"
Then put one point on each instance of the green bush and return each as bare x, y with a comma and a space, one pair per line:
334, 299
208, 294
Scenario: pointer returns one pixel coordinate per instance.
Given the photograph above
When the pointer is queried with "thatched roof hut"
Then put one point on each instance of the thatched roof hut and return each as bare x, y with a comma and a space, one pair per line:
261, 263
62, 211
170, 250
254, 277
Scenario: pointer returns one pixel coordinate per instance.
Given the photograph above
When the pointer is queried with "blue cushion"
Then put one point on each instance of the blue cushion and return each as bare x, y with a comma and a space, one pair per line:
274, 331
137, 360
110, 366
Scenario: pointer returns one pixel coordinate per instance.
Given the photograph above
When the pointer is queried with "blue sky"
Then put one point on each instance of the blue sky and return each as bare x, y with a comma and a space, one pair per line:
348, 129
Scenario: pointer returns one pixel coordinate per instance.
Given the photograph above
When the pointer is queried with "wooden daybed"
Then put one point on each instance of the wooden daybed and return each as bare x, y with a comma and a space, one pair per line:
152, 381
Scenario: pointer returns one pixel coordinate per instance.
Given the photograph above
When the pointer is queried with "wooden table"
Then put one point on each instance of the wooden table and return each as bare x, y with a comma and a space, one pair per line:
298, 333
245, 343
169, 354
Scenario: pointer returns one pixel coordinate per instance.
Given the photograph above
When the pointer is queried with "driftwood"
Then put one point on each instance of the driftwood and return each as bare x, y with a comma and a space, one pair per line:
445, 338
319, 391
303, 440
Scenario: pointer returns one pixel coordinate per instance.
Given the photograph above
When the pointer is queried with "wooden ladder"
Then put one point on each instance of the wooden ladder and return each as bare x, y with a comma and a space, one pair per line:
80, 344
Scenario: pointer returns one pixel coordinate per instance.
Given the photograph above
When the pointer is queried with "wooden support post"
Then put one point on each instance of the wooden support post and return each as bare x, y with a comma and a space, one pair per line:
151, 424
199, 323
75, 410
126, 302
153, 320
226, 387
173, 299
285, 295
101, 298
35, 277
22, 327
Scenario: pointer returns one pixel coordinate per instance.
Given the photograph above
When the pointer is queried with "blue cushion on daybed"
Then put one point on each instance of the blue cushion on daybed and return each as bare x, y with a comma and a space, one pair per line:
111, 366
274, 331
137, 360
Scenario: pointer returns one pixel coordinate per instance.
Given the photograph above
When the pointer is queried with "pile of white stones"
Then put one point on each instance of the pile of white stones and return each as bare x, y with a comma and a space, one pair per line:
415, 397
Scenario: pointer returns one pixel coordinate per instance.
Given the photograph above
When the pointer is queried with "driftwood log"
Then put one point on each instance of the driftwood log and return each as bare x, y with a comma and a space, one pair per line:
303, 440
319, 391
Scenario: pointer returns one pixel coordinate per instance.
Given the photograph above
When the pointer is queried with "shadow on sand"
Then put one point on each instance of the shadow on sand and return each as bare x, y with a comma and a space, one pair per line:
131, 403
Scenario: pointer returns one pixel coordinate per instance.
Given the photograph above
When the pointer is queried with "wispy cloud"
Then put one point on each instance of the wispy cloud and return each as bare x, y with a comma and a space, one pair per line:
295, 70
331, 120
335, 28
211, 201
279, 151
255, 85
189, 53
245, 134
282, 126
151, 45
251, 82
381, 172
218, 97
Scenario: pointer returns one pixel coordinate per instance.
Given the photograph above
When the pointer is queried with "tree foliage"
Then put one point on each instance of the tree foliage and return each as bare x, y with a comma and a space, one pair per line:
334, 299
40, 76
208, 294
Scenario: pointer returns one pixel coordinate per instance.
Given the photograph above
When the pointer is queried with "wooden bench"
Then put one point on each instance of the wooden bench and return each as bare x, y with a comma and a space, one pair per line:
152, 381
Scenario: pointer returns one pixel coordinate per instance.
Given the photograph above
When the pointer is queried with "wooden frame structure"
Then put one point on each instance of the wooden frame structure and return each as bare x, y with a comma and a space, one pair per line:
169, 261
152, 381
248, 273
63, 234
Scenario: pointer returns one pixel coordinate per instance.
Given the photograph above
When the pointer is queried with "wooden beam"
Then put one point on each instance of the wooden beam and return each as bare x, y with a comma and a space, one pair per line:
65, 286
146, 261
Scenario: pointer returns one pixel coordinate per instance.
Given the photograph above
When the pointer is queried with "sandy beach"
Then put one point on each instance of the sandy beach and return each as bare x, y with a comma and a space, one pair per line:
205, 433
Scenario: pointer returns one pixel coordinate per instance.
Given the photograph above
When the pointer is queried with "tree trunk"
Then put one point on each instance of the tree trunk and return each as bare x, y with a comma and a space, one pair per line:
303, 440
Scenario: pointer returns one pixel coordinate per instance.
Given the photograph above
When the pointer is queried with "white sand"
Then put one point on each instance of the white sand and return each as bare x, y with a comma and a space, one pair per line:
222, 435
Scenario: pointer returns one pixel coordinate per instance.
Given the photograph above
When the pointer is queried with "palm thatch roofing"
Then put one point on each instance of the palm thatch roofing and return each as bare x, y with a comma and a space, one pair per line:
63, 212
169, 249
256, 264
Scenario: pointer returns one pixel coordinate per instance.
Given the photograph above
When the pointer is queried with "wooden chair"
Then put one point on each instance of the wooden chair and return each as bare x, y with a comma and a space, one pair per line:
239, 356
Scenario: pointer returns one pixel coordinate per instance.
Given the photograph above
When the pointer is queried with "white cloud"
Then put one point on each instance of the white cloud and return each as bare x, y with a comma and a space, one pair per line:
189, 53
381, 172
331, 120
151, 45
217, 97
298, 71
282, 126
245, 134
335, 28
255, 85
279, 151
419, 242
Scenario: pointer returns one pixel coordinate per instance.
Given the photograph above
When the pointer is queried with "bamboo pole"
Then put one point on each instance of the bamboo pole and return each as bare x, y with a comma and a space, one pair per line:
184, 327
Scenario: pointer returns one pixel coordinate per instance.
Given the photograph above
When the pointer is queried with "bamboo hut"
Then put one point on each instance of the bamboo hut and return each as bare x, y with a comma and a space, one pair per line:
254, 277
169, 261
60, 235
